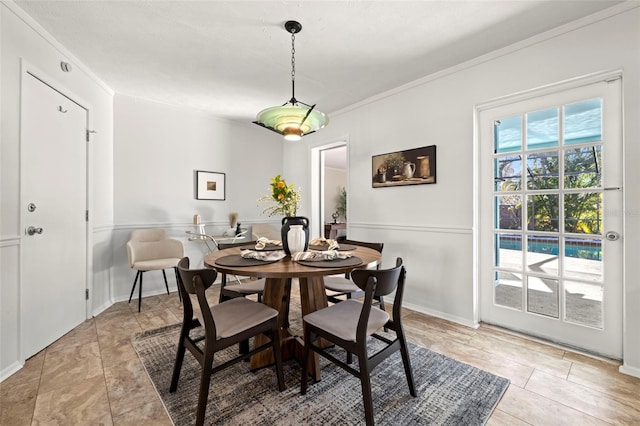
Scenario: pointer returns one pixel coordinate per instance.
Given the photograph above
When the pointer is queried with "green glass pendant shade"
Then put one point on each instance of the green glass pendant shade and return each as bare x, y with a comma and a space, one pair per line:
289, 116
294, 119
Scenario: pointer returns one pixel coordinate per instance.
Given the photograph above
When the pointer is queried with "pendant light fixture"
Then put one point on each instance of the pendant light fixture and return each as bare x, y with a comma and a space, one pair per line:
294, 118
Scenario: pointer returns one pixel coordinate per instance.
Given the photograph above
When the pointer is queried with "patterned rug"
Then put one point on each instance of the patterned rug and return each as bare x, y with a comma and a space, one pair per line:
449, 392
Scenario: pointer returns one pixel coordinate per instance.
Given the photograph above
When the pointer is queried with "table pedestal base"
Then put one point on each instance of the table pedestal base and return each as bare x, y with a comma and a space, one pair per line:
277, 294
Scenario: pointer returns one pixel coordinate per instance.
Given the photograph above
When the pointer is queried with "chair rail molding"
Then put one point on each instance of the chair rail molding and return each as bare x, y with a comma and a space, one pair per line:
412, 228
10, 241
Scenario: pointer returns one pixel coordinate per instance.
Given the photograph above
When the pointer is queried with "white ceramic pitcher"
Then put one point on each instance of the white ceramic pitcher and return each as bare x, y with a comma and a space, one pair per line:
409, 170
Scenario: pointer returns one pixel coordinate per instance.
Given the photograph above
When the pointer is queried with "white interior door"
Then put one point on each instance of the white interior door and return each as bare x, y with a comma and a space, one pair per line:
53, 205
550, 222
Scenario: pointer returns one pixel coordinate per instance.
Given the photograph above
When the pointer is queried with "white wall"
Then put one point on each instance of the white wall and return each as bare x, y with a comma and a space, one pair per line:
158, 148
21, 40
431, 226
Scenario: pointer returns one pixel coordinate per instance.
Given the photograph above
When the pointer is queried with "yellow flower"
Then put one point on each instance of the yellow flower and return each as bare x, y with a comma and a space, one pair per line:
286, 198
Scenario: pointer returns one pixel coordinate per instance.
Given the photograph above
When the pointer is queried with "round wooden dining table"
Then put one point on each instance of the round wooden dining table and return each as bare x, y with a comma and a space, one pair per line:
277, 293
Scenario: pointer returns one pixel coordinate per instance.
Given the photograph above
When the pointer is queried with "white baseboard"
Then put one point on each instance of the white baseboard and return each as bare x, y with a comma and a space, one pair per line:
100, 309
10, 370
442, 315
631, 371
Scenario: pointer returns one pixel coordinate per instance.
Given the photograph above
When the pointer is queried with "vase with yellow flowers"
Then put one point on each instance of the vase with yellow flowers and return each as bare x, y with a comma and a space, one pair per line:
285, 200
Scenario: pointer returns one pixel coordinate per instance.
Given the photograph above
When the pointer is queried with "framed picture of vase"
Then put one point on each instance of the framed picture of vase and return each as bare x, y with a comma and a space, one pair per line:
210, 185
411, 167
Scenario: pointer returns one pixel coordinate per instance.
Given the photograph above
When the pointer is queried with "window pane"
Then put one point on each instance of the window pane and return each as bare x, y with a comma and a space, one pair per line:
543, 212
542, 296
583, 258
542, 170
584, 303
583, 122
542, 129
508, 134
542, 254
509, 251
508, 289
509, 212
583, 167
507, 173
583, 212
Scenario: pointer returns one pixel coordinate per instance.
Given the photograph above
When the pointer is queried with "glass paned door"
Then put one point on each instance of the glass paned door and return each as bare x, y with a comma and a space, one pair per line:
550, 190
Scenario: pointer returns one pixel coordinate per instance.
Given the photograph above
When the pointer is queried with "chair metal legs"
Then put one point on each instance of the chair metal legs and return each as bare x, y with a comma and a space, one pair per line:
133, 287
138, 276
166, 284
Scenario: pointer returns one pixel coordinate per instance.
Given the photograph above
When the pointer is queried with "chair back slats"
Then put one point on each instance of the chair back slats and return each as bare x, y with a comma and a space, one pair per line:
386, 280
375, 246
378, 283
223, 246
208, 276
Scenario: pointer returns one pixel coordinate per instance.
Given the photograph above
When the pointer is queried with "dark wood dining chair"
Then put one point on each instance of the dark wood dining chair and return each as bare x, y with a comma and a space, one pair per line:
225, 324
338, 286
349, 323
242, 288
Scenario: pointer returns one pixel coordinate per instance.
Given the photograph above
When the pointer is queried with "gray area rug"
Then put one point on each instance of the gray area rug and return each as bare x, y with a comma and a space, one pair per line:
449, 392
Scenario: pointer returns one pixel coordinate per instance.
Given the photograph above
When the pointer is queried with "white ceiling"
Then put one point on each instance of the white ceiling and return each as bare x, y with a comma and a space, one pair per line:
233, 58
336, 158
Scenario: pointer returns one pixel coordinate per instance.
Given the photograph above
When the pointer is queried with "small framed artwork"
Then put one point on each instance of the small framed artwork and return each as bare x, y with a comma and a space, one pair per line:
210, 185
411, 167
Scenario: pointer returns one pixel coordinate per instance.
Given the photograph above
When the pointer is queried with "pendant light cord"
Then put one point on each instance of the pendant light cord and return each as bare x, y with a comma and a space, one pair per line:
293, 68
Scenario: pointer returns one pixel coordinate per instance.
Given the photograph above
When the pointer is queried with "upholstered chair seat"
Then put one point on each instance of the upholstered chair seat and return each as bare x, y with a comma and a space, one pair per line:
236, 315
342, 319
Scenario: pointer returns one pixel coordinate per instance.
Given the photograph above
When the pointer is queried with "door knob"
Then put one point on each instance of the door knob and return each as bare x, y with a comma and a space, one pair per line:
32, 230
612, 235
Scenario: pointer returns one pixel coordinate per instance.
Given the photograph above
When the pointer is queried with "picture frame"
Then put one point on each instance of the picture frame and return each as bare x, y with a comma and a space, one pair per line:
410, 167
210, 185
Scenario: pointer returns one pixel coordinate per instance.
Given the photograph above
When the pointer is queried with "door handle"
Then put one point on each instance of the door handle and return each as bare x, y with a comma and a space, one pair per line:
612, 236
32, 230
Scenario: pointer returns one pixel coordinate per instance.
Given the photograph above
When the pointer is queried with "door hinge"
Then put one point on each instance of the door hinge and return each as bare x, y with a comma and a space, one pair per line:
86, 215
86, 294
89, 133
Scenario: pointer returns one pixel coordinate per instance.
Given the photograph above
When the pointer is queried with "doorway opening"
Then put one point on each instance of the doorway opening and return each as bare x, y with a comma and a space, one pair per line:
330, 188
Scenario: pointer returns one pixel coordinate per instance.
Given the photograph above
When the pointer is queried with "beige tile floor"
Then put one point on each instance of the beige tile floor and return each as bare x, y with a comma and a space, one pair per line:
93, 376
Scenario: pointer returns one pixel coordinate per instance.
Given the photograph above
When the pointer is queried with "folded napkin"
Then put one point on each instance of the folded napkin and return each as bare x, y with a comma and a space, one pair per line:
264, 241
333, 244
263, 255
321, 255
